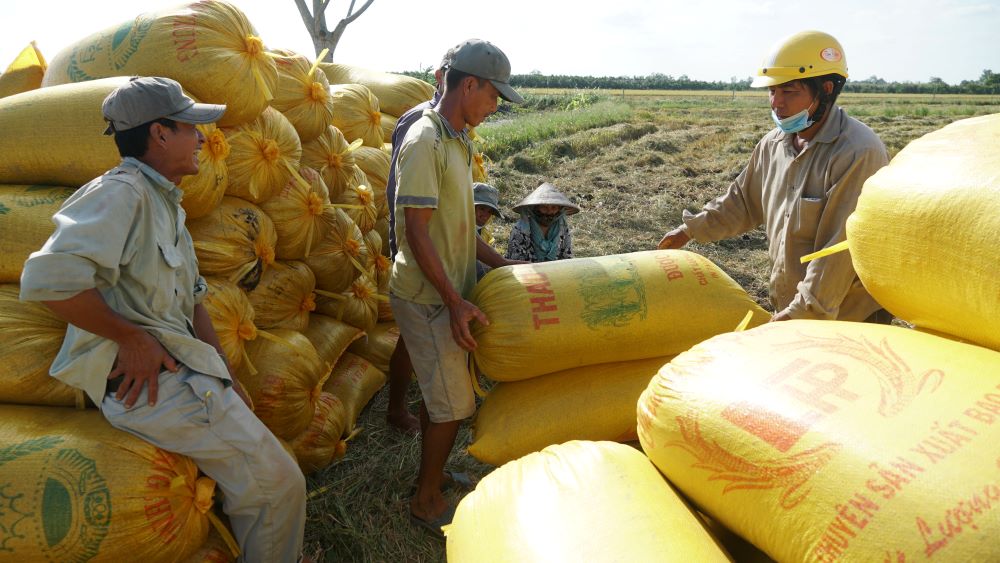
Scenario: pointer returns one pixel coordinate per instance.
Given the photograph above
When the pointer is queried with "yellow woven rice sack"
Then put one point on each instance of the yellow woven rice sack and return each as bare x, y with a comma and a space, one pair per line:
354, 381
330, 337
25, 224
341, 256
264, 155
76, 489
297, 215
54, 135
388, 126
359, 204
204, 191
357, 306
232, 318
826, 440
214, 550
209, 47
396, 93
374, 162
333, 157
321, 443
24, 73
578, 501
382, 226
373, 240
925, 228
284, 377
377, 345
236, 241
303, 94
30, 338
356, 113
284, 297
588, 403
553, 316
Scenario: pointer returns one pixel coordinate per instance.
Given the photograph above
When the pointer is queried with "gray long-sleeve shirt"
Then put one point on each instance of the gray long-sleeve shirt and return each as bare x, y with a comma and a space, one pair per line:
803, 200
123, 234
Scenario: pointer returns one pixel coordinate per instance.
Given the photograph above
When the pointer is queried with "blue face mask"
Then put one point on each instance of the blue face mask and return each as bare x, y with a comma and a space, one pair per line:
793, 123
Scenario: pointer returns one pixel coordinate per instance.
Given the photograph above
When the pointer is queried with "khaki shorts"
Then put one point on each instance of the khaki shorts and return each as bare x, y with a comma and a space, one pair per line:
441, 365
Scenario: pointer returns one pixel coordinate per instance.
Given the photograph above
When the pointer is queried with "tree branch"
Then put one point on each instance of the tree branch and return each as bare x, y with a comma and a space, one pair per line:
350, 18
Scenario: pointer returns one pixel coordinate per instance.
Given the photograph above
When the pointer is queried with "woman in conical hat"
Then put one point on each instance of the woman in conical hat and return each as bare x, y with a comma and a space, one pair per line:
542, 234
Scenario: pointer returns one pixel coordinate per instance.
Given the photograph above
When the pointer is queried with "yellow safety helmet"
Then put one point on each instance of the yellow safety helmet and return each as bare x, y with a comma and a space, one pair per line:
803, 55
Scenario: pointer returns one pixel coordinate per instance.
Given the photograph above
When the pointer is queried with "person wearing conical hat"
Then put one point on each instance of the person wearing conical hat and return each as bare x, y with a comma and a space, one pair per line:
542, 233
801, 183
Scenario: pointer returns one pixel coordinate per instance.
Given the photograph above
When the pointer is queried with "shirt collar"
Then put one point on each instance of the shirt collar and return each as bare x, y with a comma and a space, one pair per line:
169, 189
446, 125
827, 133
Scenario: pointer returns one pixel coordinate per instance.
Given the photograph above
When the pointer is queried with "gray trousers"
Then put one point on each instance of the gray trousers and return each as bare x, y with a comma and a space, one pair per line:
198, 416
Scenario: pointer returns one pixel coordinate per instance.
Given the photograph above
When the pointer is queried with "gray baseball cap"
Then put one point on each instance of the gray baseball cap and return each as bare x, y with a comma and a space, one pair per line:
483, 59
146, 98
485, 194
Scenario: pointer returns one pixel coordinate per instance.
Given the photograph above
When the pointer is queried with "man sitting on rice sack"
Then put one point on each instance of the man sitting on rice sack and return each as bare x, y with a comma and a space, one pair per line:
542, 234
120, 268
801, 183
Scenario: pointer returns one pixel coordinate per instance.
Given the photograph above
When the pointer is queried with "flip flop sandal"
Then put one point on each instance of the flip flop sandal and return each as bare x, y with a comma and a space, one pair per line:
455, 480
434, 526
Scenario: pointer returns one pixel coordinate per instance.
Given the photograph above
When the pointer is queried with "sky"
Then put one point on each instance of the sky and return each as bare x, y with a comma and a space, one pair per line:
897, 40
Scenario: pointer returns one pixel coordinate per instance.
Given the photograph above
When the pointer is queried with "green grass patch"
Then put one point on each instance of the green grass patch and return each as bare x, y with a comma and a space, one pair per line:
505, 137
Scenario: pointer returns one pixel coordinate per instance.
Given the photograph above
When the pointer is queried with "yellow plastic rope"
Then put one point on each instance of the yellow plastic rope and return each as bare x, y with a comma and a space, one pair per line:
319, 58
839, 247
354, 145
475, 379
746, 321
255, 50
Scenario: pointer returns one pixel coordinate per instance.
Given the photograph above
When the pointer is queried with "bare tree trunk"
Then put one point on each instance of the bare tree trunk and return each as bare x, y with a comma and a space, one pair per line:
315, 22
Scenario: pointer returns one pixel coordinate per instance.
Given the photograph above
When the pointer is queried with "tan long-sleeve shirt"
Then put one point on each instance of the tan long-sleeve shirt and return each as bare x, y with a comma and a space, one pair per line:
803, 200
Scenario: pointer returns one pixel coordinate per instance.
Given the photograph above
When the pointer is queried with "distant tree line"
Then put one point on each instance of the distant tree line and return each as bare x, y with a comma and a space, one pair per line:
988, 83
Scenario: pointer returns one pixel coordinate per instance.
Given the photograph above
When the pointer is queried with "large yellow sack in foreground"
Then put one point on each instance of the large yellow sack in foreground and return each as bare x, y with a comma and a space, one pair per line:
76, 489
588, 403
30, 338
209, 47
54, 135
552, 316
236, 241
283, 376
924, 236
354, 381
24, 73
356, 113
25, 224
264, 155
302, 95
396, 93
578, 501
377, 345
827, 440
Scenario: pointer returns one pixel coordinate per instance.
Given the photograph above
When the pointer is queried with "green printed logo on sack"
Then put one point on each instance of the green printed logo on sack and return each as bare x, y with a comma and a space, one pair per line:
125, 42
612, 294
75, 504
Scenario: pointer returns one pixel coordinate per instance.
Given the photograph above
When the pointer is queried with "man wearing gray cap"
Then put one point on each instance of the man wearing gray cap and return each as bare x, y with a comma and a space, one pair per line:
120, 268
435, 268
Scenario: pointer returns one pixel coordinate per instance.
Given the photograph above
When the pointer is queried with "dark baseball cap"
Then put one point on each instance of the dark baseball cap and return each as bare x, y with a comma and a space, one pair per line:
483, 59
146, 98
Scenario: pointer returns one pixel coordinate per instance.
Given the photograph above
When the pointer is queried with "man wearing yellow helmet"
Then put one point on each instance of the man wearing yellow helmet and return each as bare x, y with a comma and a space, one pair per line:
801, 183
